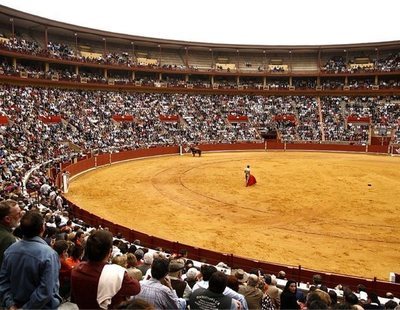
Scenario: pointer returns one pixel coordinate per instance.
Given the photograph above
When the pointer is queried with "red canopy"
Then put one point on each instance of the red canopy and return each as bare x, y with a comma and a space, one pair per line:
50, 118
123, 118
169, 118
285, 117
3, 120
237, 118
358, 119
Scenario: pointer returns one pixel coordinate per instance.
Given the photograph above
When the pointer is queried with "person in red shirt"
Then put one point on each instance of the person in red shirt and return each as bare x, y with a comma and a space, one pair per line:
96, 283
61, 247
75, 255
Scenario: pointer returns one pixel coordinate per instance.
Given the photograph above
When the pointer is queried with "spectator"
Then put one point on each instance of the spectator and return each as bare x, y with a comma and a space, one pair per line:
372, 302
97, 284
131, 267
251, 292
233, 283
158, 290
272, 290
147, 261
391, 304
29, 274
182, 288
288, 296
206, 273
191, 276
75, 253
10, 215
213, 297
61, 248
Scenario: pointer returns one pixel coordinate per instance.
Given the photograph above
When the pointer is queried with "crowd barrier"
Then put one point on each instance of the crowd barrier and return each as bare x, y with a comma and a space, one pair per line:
293, 272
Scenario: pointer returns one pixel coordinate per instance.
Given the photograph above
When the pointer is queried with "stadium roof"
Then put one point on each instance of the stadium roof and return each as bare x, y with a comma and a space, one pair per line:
254, 22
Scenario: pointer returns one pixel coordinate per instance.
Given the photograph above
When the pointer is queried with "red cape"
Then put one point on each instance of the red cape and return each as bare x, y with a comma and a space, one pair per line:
252, 180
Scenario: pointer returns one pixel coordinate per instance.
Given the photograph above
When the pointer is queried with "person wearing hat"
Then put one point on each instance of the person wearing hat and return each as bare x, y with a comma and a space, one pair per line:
181, 287
242, 276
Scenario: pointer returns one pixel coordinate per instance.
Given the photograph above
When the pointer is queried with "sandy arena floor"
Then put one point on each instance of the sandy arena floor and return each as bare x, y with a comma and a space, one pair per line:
311, 209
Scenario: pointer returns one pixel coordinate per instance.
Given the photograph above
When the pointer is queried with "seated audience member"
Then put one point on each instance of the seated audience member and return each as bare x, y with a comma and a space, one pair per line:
391, 304
120, 260
350, 298
131, 267
97, 284
206, 271
281, 275
10, 215
75, 255
213, 297
241, 275
272, 290
372, 302
61, 247
251, 292
318, 299
139, 255
137, 304
317, 280
333, 296
158, 290
191, 276
30, 269
233, 283
182, 288
147, 261
79, 238
288, 296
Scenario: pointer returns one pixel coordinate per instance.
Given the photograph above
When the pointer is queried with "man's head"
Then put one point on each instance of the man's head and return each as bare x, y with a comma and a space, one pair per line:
148, 258
10, 213
217, 283
176, 266
159, 268
99, 245
207, 271
252, 280
32, 224
317, 280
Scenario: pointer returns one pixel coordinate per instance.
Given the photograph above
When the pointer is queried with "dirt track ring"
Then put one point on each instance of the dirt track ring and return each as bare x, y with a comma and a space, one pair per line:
313, 209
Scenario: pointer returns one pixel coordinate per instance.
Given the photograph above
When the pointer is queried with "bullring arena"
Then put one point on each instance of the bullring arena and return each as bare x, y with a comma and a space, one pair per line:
333, 212
319, 126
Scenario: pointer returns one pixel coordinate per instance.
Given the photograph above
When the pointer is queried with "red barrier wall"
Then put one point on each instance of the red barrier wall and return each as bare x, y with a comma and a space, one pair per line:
212, 257
381, 149
325, 147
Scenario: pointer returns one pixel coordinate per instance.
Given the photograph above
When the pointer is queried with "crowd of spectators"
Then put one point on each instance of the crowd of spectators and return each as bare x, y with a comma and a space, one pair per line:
86, 122
335, 64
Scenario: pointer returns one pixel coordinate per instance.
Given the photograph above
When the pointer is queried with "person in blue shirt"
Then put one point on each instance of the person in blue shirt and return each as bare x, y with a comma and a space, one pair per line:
30, 269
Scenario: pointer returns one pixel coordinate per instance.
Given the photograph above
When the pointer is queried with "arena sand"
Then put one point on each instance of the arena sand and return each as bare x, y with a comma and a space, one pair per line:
327, 211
